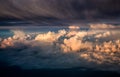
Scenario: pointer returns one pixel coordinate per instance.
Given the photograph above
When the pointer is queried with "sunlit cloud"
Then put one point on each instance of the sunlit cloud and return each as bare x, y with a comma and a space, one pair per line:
90, 46
101, 26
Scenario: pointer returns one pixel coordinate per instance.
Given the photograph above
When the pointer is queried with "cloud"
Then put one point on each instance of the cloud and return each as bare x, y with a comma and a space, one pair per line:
63, 9
7, 43
74, 27
103, 35
63, 49
101, 26
50, 36
0, 39
74, 43
20, 35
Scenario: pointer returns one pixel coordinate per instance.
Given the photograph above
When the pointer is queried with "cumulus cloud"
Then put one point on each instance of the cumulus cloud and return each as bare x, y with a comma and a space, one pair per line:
74, 27
18, 35
74, 43
101, 26
7, 43
70, 47
71, 44
103, 35
50, 36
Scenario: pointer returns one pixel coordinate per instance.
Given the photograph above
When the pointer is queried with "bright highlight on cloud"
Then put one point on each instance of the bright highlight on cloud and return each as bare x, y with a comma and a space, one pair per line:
50, 36
101, 26
86, 46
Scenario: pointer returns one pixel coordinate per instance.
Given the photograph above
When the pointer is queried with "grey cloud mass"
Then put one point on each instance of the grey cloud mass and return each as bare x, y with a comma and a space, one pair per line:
59, 9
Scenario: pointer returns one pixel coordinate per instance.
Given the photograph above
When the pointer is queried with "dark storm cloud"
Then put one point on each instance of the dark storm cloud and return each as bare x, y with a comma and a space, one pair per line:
60, 9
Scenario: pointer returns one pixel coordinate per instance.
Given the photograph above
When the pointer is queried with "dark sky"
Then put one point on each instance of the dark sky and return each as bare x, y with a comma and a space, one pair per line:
59, 9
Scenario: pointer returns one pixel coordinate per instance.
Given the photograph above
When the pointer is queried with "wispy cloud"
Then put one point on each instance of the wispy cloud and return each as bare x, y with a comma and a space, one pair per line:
60, 9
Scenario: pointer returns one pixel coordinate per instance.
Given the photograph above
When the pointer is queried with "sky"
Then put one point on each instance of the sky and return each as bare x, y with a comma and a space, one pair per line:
59, 9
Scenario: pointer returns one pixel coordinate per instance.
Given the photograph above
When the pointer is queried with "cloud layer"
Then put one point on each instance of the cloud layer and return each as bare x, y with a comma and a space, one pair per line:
64, 49
59, 9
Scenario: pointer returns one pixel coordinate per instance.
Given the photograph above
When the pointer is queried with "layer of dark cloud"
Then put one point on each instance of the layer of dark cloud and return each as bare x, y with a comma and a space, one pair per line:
59, 9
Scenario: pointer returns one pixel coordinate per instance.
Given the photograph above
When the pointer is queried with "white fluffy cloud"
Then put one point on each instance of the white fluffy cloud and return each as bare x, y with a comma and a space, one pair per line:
18, 35
50, 36
103, 35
